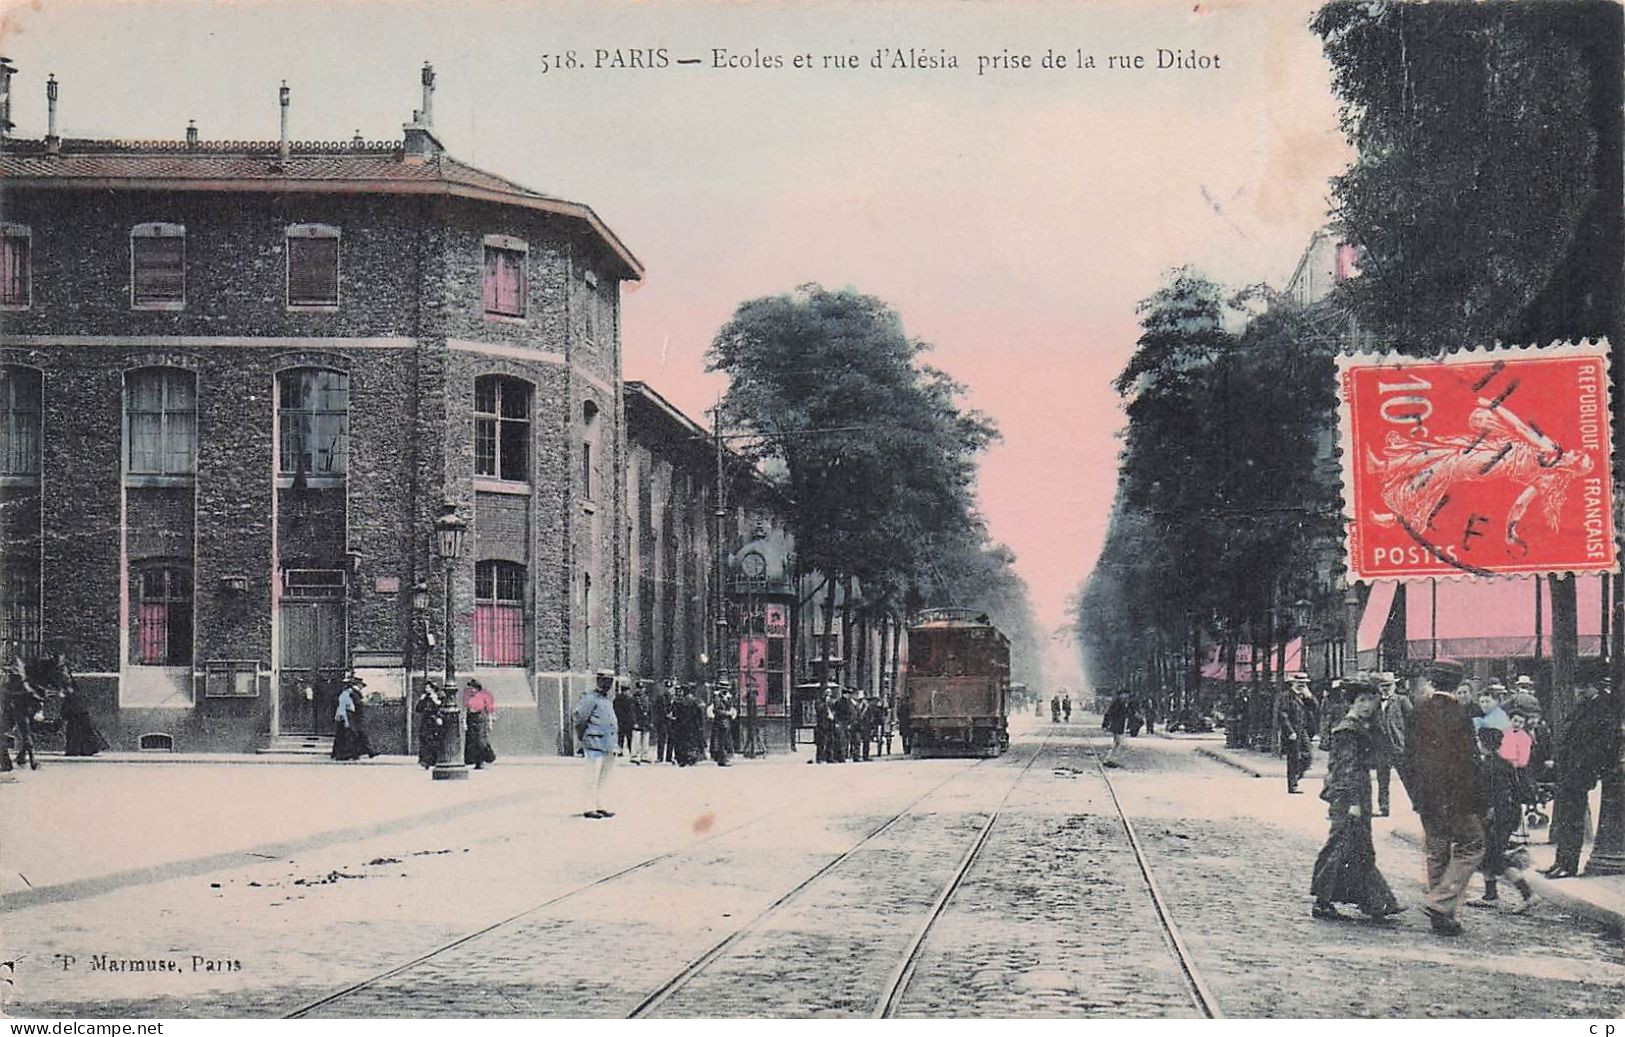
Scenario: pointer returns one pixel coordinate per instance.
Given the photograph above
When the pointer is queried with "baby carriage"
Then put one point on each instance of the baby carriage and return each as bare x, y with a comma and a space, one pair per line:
1537, 809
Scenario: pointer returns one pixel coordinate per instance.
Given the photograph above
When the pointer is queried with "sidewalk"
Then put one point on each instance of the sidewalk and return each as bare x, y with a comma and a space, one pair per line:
1599, 898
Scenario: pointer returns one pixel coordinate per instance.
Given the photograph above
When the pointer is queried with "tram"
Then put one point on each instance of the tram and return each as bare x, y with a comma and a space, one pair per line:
958, 684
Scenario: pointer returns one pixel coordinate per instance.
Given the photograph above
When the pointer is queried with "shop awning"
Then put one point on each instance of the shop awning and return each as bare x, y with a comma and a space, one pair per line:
1492, 618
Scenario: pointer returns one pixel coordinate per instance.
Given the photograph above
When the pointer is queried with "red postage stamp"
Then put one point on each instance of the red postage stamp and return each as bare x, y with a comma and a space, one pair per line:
1487, 462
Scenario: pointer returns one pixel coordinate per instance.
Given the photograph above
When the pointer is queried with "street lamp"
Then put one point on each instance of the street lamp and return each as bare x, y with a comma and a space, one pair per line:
450, 529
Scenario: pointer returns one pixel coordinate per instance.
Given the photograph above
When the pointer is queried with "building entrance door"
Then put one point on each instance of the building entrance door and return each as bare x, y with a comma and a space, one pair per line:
313, 660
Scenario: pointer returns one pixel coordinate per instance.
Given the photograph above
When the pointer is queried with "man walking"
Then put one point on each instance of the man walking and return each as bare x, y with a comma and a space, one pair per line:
1393, 725
905, 713
597, 731
1446, 793
1589, 746
1297, 727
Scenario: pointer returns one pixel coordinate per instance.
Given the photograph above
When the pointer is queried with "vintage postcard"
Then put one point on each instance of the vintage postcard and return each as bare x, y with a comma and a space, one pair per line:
831, 510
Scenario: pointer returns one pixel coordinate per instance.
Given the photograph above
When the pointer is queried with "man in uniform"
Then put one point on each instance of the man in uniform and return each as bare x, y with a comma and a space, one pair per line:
1297, 727
1447, 793
688, 727
1393, 726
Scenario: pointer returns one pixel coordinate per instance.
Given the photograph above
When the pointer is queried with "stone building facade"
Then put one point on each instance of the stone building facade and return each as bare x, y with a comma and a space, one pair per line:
237, 383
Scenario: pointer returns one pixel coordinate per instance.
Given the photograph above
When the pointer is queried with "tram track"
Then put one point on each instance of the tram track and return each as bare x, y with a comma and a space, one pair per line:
1197, 987
670, 986
698, 965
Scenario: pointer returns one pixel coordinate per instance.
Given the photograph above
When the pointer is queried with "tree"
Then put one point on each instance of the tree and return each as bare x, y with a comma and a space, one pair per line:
1486, 198
878, 455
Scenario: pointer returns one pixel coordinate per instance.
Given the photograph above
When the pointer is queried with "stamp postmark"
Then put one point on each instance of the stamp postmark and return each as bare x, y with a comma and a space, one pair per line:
1482, 463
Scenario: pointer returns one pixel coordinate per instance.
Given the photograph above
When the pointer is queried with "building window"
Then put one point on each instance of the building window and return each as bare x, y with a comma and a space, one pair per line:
160, 404
586, 470
163, 616
589, 433
158, 266
19, 421
16, 258
20, 606
313, 422
499, 614
313, 265
586, 617
505, 283
502, 428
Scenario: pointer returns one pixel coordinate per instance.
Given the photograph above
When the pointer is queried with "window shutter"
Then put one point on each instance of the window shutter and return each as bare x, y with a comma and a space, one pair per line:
160, 269
313, 271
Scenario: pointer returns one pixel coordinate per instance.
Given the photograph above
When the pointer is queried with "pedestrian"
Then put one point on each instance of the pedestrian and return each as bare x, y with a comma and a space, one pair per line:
431, 724
866, 725
624, 719
905, 713
1055, 709
1116, 720
661, 714
597, 731
27, 708
1297, 729
1446, 793
1490, 713
824, 730
642, 721
1502, 857
688, 728
1066, 707
482, 714
1517, 745
349, 731
1346, 871
723, 713
1393, 724
845, 718
81, 736
1589, 746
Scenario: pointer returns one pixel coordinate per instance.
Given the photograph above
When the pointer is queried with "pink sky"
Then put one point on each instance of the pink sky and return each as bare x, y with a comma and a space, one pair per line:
1013, 219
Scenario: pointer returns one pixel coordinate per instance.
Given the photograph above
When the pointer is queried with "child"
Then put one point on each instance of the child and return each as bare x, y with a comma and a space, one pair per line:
1501, 857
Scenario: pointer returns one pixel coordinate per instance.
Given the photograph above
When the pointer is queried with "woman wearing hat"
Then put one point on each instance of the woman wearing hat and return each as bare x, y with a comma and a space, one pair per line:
482, 710
431, 724
1346, 870
349, 736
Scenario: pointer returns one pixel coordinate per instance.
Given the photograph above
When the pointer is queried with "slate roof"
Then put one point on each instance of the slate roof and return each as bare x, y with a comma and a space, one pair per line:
256, 165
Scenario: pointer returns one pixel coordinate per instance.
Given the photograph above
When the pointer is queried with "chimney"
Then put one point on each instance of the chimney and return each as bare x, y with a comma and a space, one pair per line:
282, 146
6, 70
421, 143
53, 143
428, 94
191, 133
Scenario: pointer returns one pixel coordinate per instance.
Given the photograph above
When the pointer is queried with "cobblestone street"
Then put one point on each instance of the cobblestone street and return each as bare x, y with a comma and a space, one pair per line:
769, 888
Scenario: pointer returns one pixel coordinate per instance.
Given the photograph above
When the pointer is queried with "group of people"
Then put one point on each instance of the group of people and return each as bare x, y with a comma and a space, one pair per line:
1122, 716
1059, 706
680, 723
436, 713
29, 689
1468, 760
849, 723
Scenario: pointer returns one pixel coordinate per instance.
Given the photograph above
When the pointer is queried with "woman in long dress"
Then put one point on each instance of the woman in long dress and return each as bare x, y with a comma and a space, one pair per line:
349, 734
481, 709
1346, 870
431, 724
80, 732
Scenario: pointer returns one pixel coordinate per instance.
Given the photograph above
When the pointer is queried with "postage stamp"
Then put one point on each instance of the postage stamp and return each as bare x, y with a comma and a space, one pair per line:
1486, 462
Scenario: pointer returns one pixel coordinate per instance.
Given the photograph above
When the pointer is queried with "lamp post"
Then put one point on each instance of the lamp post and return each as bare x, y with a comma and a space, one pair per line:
449, 529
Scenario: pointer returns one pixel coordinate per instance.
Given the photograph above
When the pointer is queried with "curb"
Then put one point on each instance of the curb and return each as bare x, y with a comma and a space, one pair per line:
1229, 761
1552, 892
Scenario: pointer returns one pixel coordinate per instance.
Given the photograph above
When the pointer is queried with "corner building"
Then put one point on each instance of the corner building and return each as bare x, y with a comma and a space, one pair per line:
237, 383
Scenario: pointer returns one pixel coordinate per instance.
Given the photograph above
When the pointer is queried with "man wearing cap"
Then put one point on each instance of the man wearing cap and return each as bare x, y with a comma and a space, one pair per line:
1446, 793
598, 732
1589, 746
1297, 728
1393, 726
1490, 713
